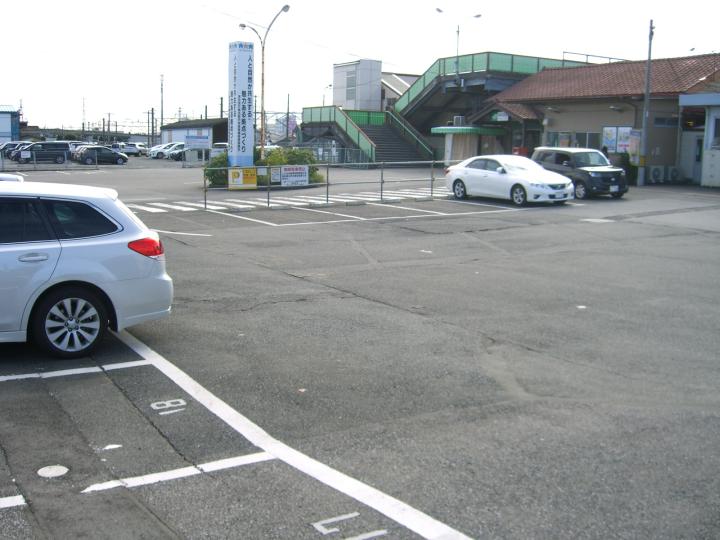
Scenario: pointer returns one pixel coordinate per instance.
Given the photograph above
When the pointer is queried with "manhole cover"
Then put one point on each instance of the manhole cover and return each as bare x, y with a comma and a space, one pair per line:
53, 471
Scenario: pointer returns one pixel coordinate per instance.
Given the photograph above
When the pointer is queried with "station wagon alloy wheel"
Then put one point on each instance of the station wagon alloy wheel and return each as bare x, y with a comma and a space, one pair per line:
70, 322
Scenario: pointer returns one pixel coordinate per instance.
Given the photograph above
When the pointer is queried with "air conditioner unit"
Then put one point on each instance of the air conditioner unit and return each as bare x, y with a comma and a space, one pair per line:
657, 174
458, 121
674, 174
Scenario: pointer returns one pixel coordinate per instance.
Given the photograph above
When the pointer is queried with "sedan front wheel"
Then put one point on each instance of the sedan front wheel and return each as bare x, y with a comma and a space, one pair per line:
518, 195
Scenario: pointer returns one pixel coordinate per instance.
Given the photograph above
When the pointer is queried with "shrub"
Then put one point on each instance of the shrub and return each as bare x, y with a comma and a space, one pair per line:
216, 169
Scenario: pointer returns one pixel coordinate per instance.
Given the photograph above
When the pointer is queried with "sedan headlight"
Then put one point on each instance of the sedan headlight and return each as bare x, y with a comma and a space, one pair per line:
569, 186
594, 174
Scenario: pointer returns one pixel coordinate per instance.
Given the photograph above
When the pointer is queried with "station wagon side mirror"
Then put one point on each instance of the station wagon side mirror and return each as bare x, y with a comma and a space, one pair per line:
501, 170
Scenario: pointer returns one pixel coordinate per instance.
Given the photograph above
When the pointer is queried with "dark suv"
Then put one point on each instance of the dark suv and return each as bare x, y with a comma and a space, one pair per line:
55, 152
589, 169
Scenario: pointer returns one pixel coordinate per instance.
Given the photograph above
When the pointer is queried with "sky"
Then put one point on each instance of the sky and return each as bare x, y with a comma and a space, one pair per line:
81, 62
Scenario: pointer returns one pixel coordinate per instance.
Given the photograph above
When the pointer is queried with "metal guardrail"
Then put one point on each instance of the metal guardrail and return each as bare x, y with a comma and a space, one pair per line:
344, 122
381, 168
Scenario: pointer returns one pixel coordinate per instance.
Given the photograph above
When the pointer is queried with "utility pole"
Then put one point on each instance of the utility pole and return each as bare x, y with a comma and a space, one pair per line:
287, 120
152, 117
221, 106
646, 113
162, 97
148, 129
103, 131
109, 127
205, 112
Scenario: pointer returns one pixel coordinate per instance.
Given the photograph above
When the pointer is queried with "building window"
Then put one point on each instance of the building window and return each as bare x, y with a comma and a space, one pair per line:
350, 84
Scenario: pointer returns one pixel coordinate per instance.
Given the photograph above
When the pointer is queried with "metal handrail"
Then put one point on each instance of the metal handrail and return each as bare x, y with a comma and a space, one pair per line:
409, 129
332, 117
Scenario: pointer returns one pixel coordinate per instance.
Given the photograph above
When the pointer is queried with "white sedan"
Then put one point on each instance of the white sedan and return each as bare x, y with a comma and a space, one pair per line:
515, 178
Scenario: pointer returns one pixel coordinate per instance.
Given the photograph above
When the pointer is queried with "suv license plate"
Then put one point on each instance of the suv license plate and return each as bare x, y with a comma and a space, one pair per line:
614, 189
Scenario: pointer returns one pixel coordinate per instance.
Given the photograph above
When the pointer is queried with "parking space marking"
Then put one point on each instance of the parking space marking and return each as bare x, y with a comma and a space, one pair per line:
410, 208
244, 218
76, 371
333, 213
184, 472
11, 502
393, 508
182, 233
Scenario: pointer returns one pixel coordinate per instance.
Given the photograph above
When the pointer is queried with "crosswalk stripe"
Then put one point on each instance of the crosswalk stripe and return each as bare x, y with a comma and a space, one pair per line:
290, 202
202, 205
173, 207
254, 202
146, 208
236, 205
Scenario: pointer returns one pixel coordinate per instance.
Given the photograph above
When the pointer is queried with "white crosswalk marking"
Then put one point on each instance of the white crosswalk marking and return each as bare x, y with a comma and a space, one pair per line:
255, 202
202, 205
236, 205
145, 208
173, 207
298, 201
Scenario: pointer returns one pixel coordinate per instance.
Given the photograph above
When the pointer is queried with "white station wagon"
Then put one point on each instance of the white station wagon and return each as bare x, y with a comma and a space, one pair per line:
74, 260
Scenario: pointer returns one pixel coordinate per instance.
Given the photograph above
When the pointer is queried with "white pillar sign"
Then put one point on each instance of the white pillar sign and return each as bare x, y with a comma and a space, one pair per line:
241, 114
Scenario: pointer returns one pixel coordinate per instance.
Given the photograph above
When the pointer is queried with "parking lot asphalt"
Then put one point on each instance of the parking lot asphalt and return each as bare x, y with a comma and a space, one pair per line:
402, 369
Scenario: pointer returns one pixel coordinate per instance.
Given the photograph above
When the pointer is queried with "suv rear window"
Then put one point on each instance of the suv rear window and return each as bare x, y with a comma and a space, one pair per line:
72, 219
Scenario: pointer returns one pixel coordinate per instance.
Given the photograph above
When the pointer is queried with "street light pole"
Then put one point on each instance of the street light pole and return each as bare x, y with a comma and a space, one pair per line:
457, 46
263, 39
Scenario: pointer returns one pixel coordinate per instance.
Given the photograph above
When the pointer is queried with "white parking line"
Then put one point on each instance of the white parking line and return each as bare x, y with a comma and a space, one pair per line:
410, 208
181, 233
333, 213
243, 218
393, 508
77, 371
183, 472
10, 502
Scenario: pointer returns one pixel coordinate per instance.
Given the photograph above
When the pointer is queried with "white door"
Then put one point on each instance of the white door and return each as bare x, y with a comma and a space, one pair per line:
690, 162
495, 182
476, 178
28, 256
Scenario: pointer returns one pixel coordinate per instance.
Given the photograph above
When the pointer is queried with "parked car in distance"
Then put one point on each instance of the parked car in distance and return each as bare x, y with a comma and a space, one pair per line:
175, 146
94, 155
515, 178
176, 152
143, 148
588, 168
10, 178
14, 154
130, 149
76, 261
53, 152
160, 151
9, 146
218, 148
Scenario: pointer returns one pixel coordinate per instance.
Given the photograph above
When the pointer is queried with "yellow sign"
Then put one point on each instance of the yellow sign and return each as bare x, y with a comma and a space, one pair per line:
242, 178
